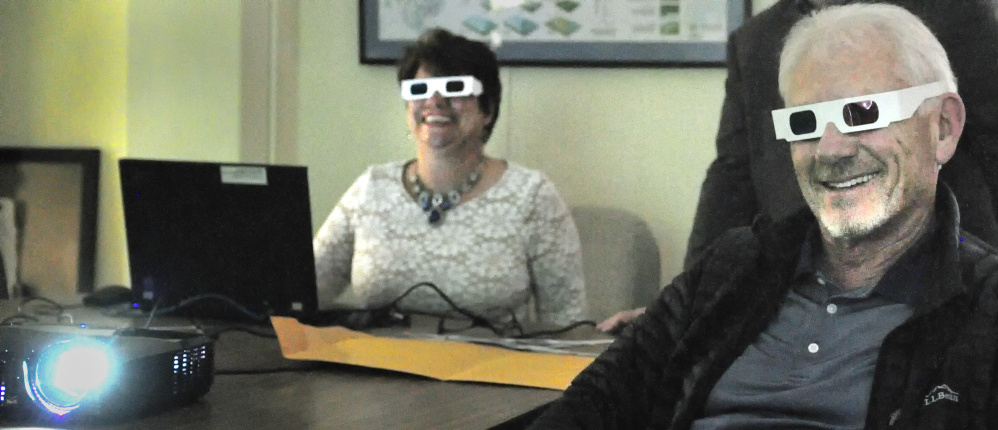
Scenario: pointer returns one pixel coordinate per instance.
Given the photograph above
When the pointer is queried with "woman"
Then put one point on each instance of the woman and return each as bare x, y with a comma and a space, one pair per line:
492, 235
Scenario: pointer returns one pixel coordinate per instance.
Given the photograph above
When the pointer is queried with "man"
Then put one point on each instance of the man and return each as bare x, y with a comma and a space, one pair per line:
752, 173
872, 309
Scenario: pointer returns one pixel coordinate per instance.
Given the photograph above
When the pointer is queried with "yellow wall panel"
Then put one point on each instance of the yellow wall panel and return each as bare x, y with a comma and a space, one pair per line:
63, 66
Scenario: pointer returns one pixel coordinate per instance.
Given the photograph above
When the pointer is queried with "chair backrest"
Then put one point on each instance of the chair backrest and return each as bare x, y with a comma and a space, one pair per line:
620, 260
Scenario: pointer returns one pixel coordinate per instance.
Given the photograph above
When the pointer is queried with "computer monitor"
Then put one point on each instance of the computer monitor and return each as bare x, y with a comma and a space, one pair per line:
204, 235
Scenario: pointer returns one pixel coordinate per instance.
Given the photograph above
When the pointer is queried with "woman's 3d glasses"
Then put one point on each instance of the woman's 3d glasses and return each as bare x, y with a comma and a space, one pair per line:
854, 113
447, 86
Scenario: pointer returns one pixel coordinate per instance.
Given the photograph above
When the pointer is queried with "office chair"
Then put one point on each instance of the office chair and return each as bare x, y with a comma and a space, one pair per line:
620, 260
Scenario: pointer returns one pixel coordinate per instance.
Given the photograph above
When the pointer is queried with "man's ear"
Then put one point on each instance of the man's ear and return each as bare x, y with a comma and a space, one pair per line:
952, 116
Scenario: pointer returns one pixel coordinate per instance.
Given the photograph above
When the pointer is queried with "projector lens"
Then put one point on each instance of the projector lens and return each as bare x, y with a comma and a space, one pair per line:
76, 371
67, 372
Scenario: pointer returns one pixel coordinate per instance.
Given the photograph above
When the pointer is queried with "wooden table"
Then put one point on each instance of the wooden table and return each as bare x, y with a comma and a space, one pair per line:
308, 395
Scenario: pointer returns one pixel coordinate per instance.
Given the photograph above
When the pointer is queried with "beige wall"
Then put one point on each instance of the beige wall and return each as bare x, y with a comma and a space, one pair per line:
154, 79
183, 79
63, 80
162, 79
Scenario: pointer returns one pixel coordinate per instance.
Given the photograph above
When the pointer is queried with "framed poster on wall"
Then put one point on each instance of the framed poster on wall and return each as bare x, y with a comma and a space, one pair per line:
561, 32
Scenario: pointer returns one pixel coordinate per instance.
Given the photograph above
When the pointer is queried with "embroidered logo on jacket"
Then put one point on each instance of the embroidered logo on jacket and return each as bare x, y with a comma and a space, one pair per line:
942, 392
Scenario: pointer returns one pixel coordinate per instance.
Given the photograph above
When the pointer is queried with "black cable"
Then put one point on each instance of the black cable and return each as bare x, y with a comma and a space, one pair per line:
210, 296
515, 322
19, 318
152, 312
513, 329
476, 320
34, 313
53, 308
224, 299
557, 331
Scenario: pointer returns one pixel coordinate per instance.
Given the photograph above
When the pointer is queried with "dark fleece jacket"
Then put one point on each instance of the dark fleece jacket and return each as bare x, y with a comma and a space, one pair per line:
659, 373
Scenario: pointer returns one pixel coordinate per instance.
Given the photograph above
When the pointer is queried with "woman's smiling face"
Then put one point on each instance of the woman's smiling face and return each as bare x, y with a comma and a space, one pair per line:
446, 123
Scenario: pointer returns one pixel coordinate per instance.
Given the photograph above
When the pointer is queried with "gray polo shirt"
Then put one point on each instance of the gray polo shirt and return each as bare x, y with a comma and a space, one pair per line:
812, 368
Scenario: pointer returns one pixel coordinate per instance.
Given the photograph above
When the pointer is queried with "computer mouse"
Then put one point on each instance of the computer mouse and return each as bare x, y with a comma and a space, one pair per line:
109, 295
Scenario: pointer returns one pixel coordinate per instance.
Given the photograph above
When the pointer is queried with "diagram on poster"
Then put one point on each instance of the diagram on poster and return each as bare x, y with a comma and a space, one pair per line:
584, 21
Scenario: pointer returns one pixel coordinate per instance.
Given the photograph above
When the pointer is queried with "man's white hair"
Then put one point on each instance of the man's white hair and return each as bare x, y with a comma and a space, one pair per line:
921, 58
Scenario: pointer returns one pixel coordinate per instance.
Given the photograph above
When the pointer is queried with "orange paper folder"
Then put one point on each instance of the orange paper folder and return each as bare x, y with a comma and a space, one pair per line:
440, 359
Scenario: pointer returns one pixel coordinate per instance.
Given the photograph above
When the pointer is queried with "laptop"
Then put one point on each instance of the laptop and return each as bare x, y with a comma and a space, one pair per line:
219, 240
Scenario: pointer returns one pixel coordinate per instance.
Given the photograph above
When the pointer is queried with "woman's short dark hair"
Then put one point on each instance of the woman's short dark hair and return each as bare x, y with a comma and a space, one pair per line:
443, 53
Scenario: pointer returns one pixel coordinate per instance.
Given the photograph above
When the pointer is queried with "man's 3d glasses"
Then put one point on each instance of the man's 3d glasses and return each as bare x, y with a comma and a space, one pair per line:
854, 113
447, 86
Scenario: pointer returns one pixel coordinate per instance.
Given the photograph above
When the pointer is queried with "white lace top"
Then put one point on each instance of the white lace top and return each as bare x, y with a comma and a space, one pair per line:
515, 243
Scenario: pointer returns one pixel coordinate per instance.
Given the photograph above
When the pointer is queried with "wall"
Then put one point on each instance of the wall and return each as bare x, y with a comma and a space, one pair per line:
151, 79
63, 78
183, 79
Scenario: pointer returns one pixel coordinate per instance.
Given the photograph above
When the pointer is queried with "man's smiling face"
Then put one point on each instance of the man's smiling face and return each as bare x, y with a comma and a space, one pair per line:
857, 182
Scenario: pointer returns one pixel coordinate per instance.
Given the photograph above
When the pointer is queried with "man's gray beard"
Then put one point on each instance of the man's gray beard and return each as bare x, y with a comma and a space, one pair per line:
850, 228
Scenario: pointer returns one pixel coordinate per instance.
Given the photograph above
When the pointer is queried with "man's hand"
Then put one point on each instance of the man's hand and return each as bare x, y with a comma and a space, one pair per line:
619, 320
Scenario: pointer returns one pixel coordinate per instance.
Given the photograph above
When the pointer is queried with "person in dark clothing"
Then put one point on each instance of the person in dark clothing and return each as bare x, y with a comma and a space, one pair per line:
871, 308
753, 173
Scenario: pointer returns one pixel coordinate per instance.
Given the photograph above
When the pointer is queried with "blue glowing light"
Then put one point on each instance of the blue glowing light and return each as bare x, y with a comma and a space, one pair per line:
79, 370
66, 373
